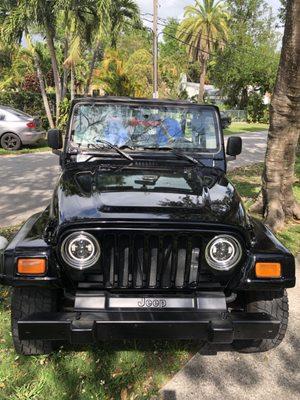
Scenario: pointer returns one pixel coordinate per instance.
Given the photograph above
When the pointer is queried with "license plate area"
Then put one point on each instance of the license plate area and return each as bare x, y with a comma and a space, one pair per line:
202, 301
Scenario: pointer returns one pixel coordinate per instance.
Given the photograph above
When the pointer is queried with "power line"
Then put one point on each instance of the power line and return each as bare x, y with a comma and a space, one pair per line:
165, 24
183, 42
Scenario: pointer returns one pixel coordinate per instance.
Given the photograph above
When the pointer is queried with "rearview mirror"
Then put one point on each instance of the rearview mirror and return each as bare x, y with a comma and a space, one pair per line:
55, 139
234, 146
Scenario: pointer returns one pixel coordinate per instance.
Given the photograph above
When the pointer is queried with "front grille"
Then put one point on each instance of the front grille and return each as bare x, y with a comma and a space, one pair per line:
153, 261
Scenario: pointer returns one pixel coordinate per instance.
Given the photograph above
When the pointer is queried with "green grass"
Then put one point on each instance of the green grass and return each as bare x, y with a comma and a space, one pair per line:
242, 127
40, 146
247, 181
124, 371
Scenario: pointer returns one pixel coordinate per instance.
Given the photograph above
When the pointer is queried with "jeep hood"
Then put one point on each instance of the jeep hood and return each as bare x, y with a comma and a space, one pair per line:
194, 194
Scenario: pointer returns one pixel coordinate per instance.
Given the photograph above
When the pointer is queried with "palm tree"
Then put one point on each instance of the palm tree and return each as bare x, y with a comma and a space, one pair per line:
204, 28
122, 14
38, 15
78, 19
18, 21
100, 30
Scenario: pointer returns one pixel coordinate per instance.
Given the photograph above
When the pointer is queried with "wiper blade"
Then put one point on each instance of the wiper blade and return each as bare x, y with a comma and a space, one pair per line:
188, 158
108, 144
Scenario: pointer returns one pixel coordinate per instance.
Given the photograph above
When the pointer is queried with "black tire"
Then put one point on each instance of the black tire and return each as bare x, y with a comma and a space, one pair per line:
24, 302
10, 141
273, 303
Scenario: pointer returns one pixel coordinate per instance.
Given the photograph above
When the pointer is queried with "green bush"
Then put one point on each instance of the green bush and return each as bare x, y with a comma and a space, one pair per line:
29, 102
257, 111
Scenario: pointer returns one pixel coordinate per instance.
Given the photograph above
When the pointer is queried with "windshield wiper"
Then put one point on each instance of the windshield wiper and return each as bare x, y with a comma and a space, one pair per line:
188, 158
108, 144
184, 156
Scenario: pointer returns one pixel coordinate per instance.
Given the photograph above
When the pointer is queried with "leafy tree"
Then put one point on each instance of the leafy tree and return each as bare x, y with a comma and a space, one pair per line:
114, 76
204, 28
278, 202
250, 57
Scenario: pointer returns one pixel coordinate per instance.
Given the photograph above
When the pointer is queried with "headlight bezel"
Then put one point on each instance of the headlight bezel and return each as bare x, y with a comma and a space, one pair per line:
77, 263
228, 265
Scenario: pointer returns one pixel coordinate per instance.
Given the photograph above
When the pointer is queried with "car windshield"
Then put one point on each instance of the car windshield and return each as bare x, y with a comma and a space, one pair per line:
142, 126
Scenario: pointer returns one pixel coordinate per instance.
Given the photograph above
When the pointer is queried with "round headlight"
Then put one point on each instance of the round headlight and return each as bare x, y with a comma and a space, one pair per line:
223, 252
80, 250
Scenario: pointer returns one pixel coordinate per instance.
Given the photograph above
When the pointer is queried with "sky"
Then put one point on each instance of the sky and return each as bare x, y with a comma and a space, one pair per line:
174, 8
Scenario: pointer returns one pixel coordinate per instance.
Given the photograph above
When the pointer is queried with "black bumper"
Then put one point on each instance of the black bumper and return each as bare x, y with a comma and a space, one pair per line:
86, 327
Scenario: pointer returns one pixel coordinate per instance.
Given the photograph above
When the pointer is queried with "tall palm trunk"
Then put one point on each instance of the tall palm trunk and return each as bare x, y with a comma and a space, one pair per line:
40, 77
72, 82
202, 79
92, 66
65, 70
55, 69
277, 201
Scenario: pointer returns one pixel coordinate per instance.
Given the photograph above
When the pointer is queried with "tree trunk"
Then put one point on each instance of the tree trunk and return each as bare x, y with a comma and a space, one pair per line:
202, 79
65, 70
56, 75
277, 201
92, 67
72, 83
40, 77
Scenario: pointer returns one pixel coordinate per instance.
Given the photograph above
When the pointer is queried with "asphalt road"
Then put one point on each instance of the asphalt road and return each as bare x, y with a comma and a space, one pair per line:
219, 373
27, 180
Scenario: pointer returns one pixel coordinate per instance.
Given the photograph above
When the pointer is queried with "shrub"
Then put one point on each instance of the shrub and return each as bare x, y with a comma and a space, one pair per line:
257, 111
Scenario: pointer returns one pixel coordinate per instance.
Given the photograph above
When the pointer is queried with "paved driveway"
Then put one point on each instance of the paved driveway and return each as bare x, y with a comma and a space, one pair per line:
27, 180
218, 373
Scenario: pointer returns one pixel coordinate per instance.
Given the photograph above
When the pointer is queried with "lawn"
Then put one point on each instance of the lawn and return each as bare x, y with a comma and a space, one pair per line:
34, 148
244, 127
247, 181
125, 372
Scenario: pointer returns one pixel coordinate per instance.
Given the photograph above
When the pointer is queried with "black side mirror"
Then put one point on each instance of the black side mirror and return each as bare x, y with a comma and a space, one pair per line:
234, 146
55, 139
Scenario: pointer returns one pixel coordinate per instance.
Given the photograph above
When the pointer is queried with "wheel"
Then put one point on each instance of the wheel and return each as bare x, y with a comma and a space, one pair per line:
26, 301
273, 303
10, 141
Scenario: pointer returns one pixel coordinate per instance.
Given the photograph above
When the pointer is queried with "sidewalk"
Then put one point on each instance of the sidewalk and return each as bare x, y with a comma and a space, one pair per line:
219, 373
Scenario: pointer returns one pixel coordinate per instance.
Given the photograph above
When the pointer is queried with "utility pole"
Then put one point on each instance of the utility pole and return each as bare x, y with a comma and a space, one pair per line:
155, 50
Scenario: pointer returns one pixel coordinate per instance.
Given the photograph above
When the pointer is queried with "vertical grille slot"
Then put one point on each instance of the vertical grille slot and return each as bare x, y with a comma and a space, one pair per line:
155, 261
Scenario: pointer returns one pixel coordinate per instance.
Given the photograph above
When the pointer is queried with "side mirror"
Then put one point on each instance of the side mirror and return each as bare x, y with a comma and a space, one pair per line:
55, 139
234, 146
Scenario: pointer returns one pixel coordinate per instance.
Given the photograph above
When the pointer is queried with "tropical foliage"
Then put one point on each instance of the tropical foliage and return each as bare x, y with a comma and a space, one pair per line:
68, 48
204, 28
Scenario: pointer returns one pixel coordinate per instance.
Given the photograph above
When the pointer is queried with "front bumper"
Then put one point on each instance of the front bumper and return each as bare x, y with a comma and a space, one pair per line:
31, 137
104, 316
118, 325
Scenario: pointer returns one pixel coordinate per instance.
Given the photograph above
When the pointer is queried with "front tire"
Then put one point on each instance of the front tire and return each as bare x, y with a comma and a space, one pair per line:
10, 141
24, 302
273, 303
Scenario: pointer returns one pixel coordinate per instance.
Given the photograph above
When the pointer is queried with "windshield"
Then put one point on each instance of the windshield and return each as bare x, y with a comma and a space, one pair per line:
143, 126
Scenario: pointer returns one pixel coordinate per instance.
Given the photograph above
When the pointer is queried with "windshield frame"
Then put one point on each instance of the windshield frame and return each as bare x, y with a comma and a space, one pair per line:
69, 144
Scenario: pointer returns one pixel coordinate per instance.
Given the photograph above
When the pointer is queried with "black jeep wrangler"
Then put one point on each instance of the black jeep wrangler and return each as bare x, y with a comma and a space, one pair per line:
145, 237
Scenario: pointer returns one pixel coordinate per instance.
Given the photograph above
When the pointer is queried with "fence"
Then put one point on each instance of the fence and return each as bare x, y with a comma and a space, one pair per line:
236, 115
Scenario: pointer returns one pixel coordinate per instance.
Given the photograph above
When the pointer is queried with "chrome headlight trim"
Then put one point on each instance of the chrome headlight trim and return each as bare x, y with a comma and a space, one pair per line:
91, 244
232, 260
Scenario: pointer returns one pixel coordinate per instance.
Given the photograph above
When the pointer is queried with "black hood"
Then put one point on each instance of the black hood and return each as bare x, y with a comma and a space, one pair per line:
183, 193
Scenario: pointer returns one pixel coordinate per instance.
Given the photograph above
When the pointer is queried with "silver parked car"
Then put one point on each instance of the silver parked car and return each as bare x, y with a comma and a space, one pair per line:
18, 128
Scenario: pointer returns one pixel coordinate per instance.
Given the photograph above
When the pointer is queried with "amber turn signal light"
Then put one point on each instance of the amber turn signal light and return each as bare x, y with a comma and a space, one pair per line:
268, 270
31, 266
